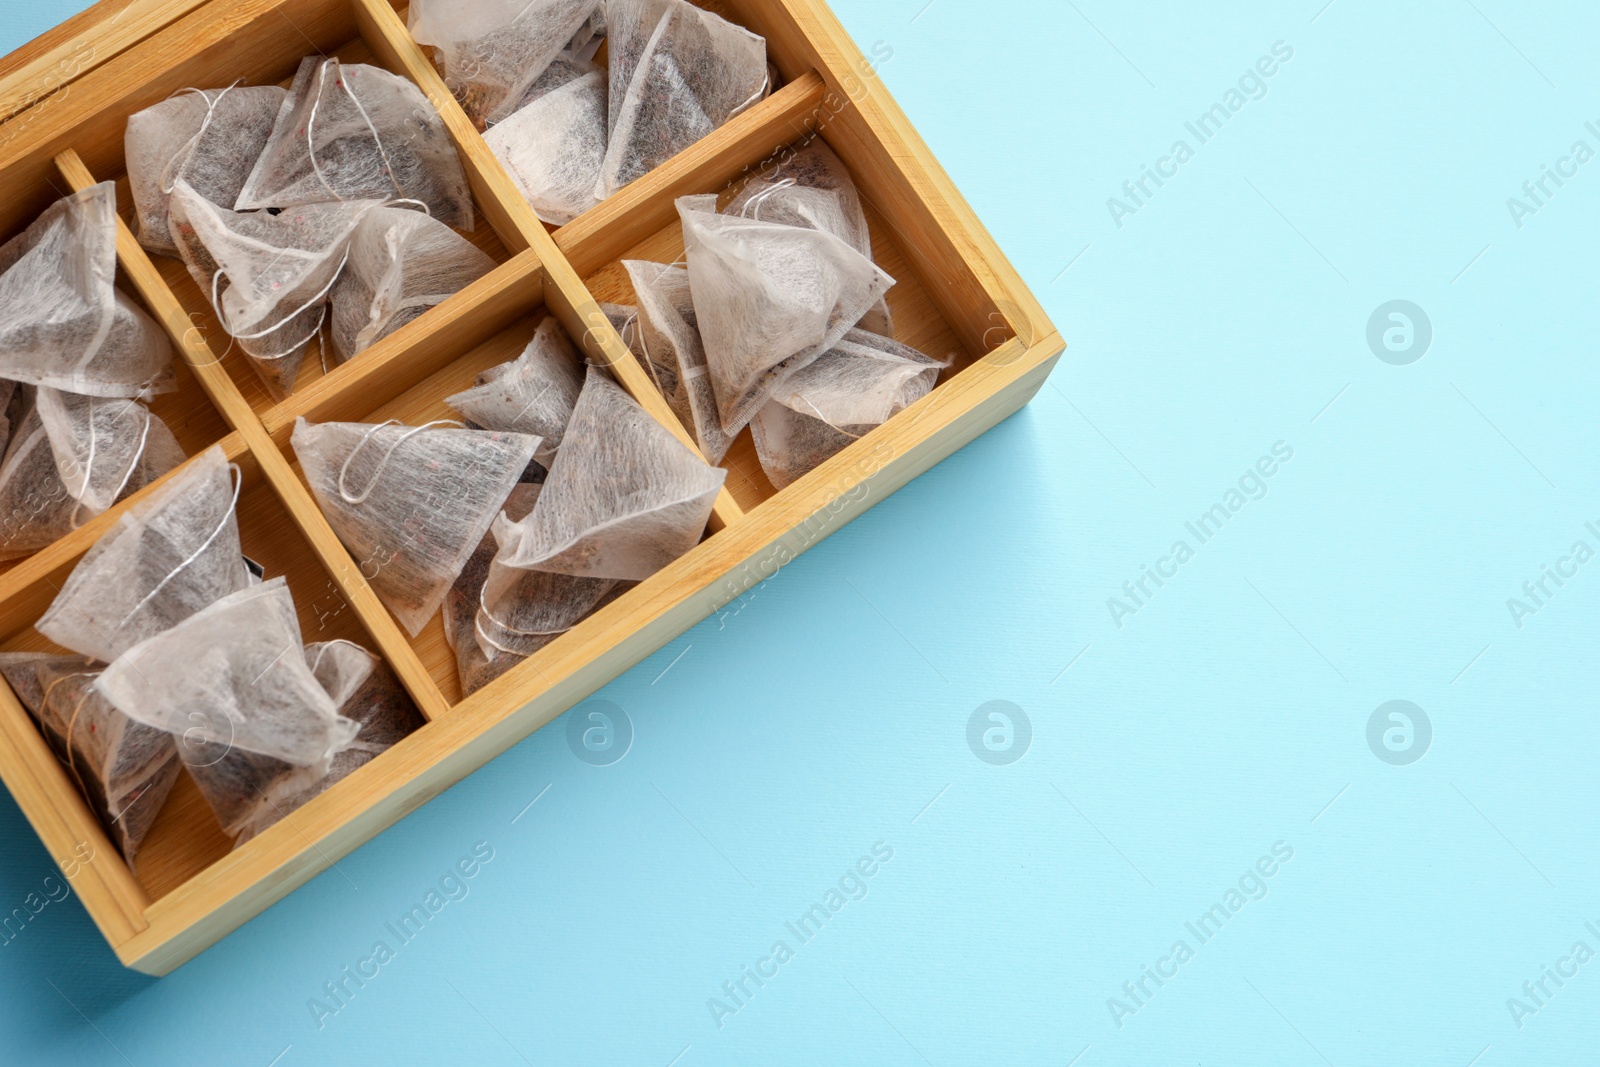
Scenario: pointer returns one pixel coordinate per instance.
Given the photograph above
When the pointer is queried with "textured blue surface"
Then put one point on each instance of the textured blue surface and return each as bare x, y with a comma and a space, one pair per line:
1226, 716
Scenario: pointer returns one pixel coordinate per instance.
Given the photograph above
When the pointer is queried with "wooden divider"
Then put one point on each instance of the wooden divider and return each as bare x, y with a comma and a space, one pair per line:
1012, 343
564, 294
296, 498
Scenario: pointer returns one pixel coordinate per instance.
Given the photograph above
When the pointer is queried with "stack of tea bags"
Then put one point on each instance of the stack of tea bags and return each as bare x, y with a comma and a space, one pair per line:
585, 494
569, 132
340, 192
778, 321
188, 659
124, 768
624, 498
78, 359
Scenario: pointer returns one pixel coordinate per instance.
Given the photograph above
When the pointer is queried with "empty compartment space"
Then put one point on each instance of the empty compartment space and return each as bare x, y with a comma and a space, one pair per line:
274, 65
918, 321
186, 837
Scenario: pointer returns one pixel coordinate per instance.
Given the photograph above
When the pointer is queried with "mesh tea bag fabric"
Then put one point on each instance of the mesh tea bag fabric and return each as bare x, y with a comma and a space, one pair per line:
534, 394
9, 400
811, 188
71, 459
209, 138
553, 148
169, 557
590, 36
489, 51
356, 132
677, 73
624, 498
410, 503
125, 769
401, 263
769, 299
268, 276
233, 683
367, 693
101, 447
63, 322
859, 385
669, 334
461, 605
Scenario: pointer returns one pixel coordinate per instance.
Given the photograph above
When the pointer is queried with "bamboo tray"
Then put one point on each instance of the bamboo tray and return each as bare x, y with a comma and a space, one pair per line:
957, 298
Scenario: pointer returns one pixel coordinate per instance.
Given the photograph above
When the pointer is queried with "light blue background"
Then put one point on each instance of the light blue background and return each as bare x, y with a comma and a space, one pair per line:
1229, 313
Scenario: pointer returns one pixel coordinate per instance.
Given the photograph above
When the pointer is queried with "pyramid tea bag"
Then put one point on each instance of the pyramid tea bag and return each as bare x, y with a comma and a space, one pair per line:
208, 138
367, 693
553, 148
669, 334
461, 605
356, 132
124, 768
812, 188
73, 457
101, 447
170, 556
268, 276
466, 592
410, 503
534, 394
489, 51
624, 498
232, 683
63, 322
770, 299
859, 385
677, 73
401, 263
496, 617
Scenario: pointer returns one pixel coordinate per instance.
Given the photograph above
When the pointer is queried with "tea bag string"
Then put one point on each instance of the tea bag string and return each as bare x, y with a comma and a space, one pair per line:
637, 327
186, 152
756, 97
635, 322
817, 412
238, 484
485, 613
216, 305
88, 465
72, 722
322, 650
756, 202
311, 122
344, 471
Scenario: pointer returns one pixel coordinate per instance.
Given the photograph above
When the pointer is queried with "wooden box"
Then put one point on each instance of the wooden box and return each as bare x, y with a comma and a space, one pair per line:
957, 298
